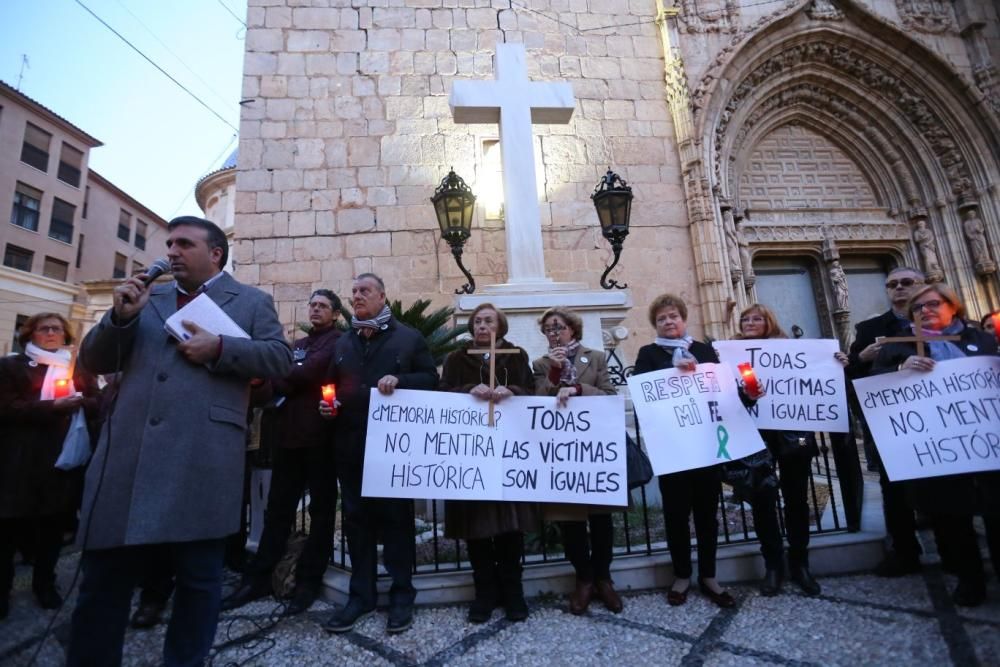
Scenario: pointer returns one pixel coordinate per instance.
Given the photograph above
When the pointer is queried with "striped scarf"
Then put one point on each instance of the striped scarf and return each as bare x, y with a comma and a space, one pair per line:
367, 328
567, 374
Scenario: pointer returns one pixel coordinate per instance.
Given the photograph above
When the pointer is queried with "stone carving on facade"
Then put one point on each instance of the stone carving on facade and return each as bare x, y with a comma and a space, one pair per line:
709, 15
975, 234
931, 16
924, 239
732, 245
874, 78
865, 231
838, 279
746, 257
824, 10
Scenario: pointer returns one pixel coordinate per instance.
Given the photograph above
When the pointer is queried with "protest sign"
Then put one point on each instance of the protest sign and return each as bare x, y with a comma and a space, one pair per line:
692, 419
942, 422
424, 444
804, 387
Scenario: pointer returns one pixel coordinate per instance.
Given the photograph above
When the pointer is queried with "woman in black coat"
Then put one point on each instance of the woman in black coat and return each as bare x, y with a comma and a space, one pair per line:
694, 491
37, 500
493, 530
951, 500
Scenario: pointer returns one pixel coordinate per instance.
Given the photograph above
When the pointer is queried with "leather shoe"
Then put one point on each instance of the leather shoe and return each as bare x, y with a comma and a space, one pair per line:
676, 598
607, 594
723, 599
969, 595
48, 598
579, 599
400, 618
803, 579
302, 599
771, 585
247, 592
893, 566
344, 619
147, 615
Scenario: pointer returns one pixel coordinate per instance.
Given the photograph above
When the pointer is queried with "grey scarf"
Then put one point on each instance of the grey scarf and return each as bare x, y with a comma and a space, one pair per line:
679, 346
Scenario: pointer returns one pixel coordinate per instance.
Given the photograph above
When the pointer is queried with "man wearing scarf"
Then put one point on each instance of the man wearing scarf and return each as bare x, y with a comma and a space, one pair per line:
377, 353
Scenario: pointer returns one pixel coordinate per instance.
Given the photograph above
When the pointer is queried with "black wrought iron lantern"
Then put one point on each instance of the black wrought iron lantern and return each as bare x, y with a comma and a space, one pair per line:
613, 200
454, 205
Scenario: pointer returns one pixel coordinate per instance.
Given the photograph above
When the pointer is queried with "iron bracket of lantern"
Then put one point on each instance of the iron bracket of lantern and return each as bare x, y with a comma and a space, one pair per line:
454, 205
613, 201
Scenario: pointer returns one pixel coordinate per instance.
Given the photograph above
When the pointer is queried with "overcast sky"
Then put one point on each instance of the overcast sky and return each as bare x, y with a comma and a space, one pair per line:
158, 140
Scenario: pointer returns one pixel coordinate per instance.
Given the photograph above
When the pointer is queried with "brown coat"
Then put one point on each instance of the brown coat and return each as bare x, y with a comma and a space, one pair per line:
592, 376
478, 519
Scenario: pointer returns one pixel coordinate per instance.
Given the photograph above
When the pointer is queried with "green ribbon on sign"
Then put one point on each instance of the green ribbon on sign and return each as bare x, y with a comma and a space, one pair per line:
723, 435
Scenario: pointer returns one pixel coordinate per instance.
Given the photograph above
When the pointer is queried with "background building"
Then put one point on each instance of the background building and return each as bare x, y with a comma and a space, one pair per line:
67, 223
788, 152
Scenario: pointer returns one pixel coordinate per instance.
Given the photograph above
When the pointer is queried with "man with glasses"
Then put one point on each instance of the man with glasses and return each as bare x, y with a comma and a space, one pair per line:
900, 523
303, 458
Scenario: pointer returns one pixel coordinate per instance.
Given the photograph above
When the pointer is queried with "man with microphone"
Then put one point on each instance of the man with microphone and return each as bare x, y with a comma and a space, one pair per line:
168, 469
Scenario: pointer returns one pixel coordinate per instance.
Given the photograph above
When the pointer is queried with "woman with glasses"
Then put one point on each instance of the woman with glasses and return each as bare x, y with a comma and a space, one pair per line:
951, 500
38, 501
493, 531
793, 451
569, 369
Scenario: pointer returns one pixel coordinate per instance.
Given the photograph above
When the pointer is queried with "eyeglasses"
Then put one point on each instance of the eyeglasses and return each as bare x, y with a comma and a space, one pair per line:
932, 305
50, 329
904, 282
752, 319
548, 331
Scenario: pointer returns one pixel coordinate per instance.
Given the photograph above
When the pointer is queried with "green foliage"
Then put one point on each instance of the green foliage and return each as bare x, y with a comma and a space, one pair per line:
435, 326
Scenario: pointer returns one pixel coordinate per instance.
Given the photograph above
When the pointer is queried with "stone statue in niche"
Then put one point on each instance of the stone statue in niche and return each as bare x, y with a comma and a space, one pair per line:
975, 234
732, 246
839, 281
746, 259
928, 250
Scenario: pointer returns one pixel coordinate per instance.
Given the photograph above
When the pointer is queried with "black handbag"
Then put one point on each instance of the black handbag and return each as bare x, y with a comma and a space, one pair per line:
639, 469
749, 475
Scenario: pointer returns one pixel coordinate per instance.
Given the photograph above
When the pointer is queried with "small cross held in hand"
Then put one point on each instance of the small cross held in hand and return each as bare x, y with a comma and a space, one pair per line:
919, 337
493, 352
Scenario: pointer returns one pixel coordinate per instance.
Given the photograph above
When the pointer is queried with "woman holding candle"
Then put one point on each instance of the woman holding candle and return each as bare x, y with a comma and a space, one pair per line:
793, 452
950, 500
569, 369
493, 530
686, 492
37, 401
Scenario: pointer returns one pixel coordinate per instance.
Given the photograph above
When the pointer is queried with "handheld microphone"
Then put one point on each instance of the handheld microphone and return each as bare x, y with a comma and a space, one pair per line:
158, 268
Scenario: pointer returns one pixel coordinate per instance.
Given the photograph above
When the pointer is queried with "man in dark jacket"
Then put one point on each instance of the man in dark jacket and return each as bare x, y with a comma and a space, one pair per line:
900, 524
303, 459
377, 353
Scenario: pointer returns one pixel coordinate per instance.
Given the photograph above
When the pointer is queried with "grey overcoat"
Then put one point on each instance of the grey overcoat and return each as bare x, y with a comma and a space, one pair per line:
175, 442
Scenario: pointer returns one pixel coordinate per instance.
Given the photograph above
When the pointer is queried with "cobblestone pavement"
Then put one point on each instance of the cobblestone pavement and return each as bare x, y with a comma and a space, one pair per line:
859, 619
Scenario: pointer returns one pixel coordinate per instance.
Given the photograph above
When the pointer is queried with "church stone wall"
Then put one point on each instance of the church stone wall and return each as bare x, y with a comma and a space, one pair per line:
349, 132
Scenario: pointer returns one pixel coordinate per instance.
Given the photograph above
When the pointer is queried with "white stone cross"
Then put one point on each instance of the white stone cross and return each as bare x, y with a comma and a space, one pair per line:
514, 102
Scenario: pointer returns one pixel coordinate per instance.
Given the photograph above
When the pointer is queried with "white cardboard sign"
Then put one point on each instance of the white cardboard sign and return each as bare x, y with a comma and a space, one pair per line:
427, 444
692, 419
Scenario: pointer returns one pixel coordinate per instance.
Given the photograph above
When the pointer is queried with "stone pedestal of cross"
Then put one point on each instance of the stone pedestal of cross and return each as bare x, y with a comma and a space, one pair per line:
919, 337
514, 102
492, 352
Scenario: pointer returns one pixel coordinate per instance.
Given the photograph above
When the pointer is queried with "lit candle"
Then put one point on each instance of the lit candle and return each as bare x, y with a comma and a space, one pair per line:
329, 393
749, 379
996, 324
62, 388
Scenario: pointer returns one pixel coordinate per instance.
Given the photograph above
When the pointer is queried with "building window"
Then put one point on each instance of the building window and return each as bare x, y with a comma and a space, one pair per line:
27, 202
55, 269
86, 202
19, 321
61, 226
124, 225
140, 234
137, 267
120, 261
79, 251
35, 149
18, 258
70, 165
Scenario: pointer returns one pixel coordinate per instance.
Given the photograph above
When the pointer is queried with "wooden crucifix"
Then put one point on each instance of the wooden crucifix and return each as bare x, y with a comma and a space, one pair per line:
492, 352
919, 337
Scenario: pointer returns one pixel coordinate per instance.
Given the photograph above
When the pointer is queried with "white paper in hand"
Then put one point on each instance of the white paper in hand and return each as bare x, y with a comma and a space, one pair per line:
206, 314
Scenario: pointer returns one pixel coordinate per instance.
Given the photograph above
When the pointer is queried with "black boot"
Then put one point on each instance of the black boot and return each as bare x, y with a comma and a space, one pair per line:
510, 550
802, 577
484, 578
771, 585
